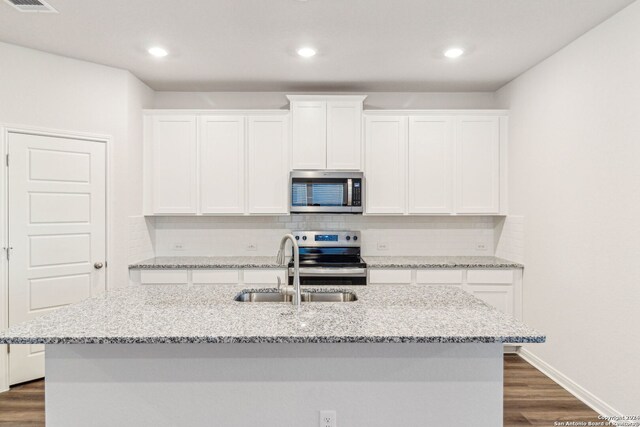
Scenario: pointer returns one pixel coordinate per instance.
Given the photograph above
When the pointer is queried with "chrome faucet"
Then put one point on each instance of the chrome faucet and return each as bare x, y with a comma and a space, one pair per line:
296, 264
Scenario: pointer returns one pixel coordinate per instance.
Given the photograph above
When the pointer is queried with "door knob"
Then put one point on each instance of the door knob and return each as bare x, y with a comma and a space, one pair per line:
97, 265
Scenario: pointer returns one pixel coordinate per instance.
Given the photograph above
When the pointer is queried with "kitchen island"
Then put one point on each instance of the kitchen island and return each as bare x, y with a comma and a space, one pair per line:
398, 355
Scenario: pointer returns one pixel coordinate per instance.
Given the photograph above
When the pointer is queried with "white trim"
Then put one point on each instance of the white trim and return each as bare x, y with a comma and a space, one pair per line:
296, 98
436, 112
588, 398
5, 129
213, 112
4, 288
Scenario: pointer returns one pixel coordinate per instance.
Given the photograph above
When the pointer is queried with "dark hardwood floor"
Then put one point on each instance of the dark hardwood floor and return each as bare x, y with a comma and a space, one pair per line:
530, 399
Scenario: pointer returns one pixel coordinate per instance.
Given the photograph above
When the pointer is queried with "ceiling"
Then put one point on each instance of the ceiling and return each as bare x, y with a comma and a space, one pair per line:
363, 45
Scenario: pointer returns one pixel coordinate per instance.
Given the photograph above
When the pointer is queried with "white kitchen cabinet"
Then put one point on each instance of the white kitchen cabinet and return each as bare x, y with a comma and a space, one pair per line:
268, 164
434, 276
500, 288
477, 165
498, 296
326, 132
309, 133
164, 277
267, 276
389, 276
215, 277
451, 162
222, 164
173, 160
344, 135
385, 172
430, 164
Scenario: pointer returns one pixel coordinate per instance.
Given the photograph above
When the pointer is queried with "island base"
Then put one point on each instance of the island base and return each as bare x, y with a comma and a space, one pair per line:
273, 385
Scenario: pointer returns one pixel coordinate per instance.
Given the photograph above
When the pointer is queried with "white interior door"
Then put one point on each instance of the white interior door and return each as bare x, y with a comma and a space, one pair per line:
56, 232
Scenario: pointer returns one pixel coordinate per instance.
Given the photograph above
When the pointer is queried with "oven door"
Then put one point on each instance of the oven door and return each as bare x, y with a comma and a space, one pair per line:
326, 192
331, 276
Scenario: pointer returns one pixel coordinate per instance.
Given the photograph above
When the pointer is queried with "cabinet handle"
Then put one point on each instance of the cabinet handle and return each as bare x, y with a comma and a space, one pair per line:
97, 265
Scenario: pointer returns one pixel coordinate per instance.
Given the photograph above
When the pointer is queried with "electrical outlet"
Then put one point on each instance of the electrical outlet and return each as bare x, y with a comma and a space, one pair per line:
481, 247
178, 247
252, 247
383, 246
328, 419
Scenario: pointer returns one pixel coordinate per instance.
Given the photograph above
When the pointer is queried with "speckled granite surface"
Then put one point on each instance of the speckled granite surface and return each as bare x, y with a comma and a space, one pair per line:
439, 262
209, 314
174, 262
170, 262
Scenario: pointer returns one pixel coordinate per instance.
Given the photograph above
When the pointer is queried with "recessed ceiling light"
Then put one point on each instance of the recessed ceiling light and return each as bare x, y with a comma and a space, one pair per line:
306, 52
454, 52
158, 52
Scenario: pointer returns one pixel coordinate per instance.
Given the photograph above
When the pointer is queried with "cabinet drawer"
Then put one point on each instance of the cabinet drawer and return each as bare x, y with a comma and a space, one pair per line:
214, 276
435, 277
163, 277
267, 276
390, 276
490, 276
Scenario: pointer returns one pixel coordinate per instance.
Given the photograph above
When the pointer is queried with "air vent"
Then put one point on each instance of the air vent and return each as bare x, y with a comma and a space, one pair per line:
32, 6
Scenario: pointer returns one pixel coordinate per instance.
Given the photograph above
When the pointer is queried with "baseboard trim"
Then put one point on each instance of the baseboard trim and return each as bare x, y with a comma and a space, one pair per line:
565, 382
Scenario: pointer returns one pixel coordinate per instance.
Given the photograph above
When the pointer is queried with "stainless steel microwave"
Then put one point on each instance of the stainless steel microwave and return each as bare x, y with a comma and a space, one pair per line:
326, 192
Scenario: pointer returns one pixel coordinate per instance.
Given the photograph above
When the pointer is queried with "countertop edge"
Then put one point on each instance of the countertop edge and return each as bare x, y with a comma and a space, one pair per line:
281, 340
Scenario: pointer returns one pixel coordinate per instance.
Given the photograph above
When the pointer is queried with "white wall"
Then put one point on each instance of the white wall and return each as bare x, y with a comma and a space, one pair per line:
278, 100
575, 177
50, 91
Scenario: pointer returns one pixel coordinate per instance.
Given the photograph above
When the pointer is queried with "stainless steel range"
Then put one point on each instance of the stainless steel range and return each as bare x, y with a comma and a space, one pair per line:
330, 258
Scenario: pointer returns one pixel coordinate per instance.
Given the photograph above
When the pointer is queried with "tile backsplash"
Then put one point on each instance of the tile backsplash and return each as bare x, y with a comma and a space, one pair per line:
510, 238
381, 235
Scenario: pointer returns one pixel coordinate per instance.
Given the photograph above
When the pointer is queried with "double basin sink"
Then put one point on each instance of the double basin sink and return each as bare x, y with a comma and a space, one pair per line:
318, 296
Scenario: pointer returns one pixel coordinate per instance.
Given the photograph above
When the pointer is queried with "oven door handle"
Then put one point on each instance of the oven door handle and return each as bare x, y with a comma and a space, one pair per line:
330, 271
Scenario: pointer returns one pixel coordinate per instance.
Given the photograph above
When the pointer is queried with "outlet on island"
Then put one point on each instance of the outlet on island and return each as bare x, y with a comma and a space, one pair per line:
252, 247
328, 419
383, 246
177, 247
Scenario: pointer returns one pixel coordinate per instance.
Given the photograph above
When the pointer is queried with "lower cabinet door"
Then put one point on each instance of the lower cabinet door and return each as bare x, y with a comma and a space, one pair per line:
264, 277
498, 296
390, 276
164, 277
214, 277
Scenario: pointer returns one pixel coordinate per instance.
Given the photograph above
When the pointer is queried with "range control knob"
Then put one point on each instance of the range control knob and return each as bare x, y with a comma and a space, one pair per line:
297, 237
355, 237
348, 238
304, 237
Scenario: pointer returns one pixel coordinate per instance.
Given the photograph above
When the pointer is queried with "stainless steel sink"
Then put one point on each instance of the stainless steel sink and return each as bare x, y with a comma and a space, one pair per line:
317, 296
263, 297
329, 296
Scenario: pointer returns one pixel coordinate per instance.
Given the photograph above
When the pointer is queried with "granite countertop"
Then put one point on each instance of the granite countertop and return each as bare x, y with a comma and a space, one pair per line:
173, 262
209, 314
439, 262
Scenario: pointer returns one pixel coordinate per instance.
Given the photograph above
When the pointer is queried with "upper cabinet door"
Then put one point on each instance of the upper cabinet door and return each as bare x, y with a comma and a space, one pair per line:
173, 151
268, 164
221, 163
431, 149
385, 173
309, 134
478, 165
344, 124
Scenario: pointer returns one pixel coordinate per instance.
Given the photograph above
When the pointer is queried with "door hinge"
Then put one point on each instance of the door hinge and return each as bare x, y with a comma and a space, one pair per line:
8, 348
7, 160
8, 250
